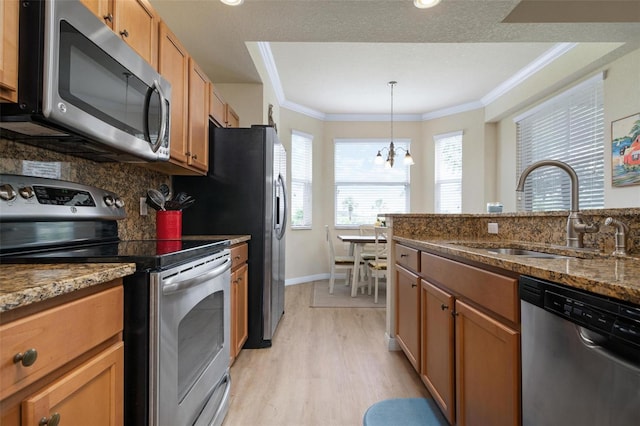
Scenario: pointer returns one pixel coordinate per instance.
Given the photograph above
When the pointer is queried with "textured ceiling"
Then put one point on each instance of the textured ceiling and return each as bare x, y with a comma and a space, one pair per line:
336, 57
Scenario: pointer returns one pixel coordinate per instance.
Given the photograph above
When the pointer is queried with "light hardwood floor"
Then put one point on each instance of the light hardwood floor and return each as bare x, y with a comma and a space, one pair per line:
326, 367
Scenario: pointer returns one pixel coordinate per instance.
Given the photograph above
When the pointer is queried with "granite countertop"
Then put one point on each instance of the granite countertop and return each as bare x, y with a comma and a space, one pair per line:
22, 284
617, 277
233, 239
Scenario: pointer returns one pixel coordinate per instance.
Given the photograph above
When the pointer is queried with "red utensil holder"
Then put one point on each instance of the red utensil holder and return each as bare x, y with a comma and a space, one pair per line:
169, 224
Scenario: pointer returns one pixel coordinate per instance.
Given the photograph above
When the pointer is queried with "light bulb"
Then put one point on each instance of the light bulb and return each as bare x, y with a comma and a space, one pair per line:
379, 160
424, 4
232, 2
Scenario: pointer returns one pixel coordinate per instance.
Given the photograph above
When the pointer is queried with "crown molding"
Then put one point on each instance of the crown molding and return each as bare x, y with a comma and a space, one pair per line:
538, 64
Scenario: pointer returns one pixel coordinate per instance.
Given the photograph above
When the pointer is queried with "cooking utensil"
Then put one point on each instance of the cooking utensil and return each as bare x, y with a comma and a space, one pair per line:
155, 199
166, 191
172, 205
187, 203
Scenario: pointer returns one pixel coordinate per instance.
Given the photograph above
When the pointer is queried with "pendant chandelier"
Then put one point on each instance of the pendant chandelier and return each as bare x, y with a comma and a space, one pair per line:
391, 150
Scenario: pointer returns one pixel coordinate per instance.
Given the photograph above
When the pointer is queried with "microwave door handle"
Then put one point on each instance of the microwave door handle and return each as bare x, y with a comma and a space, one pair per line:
163, 113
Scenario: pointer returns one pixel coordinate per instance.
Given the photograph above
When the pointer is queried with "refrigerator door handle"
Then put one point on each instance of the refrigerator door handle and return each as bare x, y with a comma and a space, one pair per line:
281, 220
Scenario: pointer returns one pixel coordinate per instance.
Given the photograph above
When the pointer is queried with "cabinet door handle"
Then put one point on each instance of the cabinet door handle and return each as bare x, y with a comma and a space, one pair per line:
188, 154
108, 17
54, 420
27, 358
404, 255
444, 307
194, 156
414, 285
124, 33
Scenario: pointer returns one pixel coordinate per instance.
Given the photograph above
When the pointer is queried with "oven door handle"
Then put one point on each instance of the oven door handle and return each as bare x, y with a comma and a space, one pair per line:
176, 284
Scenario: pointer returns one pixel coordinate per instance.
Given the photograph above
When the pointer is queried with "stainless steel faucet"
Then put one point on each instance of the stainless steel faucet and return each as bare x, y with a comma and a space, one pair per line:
576, 227
621, 235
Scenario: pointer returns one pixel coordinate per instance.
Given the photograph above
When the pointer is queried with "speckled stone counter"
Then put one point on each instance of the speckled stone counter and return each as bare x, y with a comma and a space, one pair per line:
463, 236
233, 239
605, 275
22, 285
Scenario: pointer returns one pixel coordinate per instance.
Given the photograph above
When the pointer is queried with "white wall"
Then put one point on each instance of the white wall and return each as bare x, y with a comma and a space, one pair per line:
621, 99
489, 172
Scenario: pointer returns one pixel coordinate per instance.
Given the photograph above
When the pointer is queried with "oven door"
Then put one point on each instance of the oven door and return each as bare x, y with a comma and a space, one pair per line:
189, 347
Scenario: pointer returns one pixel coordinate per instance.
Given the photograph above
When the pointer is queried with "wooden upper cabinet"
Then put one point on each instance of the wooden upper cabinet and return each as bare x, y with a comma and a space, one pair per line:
232, 118
135, 21
173, 64
217, 107
198, 118
103, 9
9, 15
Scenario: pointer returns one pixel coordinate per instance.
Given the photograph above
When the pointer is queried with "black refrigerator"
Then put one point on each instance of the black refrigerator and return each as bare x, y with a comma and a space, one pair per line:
245, 193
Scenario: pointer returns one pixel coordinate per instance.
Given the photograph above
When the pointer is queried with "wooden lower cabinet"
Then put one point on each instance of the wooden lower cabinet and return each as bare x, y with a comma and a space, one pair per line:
90, 395
239, 303
470, 342
239, 298
408, 314
437, 344
487, 369
77, 374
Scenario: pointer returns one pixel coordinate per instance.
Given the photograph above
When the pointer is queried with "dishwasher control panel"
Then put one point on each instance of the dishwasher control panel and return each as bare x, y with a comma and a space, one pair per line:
611, 317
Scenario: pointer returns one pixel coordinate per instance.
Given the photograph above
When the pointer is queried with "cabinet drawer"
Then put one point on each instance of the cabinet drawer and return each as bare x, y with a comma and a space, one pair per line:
239, 255
408, 257
58, 335
496, 292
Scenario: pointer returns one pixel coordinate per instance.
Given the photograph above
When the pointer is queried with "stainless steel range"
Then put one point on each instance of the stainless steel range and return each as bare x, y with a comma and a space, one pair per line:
177, 304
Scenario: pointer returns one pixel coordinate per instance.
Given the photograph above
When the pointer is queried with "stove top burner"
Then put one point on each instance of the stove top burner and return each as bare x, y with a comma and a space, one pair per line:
146, 254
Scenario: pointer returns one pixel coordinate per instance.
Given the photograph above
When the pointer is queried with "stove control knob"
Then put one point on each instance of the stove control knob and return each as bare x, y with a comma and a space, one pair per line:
7, 192
108, 200
119, 203
26, 192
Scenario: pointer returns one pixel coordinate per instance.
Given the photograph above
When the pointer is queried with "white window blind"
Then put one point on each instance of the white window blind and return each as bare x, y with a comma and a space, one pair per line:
301, 179
569, 128
364, 189
448, 166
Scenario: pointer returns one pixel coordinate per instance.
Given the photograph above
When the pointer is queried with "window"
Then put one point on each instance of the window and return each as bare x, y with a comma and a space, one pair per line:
301, 179
448, 182
569, 128
364, 189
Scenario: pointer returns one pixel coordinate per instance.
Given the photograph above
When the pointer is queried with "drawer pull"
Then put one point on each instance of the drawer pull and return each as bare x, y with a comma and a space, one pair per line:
444, 307
54, 420
404, 255
27, 358
237, 257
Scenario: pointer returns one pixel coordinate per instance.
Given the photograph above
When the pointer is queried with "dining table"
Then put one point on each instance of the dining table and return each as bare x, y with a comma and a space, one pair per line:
356, 243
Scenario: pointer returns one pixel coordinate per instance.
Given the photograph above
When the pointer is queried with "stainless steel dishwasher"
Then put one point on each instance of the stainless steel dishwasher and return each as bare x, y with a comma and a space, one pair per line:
580, 357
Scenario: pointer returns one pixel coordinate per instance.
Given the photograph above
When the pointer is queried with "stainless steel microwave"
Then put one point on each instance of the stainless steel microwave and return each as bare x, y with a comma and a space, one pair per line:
83, 91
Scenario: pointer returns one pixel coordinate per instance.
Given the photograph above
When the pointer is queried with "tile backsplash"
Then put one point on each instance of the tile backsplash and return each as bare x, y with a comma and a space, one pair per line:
129, 181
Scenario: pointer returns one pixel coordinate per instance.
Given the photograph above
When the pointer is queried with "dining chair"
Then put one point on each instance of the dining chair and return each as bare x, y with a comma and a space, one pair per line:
367, 250
378, 266
337, 263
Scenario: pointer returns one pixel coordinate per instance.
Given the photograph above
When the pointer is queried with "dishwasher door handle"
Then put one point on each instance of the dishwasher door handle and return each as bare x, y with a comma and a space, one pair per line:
589, 342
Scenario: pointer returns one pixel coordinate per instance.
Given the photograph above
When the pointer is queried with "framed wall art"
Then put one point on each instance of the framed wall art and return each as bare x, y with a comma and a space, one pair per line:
625, 151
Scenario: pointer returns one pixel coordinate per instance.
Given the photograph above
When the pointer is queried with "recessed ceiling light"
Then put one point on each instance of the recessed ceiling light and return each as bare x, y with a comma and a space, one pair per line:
424, 4
238, 2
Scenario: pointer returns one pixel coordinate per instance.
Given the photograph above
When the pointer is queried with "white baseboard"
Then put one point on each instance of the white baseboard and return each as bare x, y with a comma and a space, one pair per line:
310, 278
